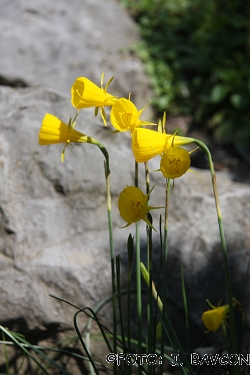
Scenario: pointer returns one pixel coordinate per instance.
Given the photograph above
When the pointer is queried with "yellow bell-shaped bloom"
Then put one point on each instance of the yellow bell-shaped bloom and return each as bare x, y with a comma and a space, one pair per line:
53, 131
125, 116
133, 205
213, 318
85, 94
147, 143
175, 162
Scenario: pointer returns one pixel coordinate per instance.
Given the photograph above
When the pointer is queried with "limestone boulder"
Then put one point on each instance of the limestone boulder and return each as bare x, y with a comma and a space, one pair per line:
54, 229
50, 44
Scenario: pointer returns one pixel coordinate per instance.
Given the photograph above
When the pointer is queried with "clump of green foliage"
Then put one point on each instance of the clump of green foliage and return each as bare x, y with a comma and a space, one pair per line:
198, 56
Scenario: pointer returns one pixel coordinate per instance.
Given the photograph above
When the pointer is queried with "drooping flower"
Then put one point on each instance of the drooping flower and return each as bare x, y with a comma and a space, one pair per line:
133, 205
86, 94
213, 318
125, 116
175, 162
54, 131
147, 143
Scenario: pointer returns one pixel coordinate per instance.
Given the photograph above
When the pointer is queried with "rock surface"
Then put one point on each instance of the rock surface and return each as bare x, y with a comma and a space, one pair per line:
54, 236
53, 215
50, 44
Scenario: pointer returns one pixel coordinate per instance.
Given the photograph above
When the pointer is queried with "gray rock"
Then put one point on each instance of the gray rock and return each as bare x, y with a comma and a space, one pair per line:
53, 215
50, 44
54, 237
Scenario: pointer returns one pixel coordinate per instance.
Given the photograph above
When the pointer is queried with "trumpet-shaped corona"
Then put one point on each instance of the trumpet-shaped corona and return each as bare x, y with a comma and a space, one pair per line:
213, 318
175, 162
85, 94
133, 205
53, 131
147, 143
125, 116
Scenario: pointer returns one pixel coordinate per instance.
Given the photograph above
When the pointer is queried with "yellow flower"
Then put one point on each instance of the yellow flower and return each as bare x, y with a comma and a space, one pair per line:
85, 94
213, 318
133, 205
125, 116
54, 131
147, 143
175, 162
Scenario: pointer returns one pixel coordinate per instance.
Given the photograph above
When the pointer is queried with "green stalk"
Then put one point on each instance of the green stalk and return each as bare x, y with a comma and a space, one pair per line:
111, 246
130, 248
184, 296
118, 274
224, 252
138, 279
165, 255
150, 346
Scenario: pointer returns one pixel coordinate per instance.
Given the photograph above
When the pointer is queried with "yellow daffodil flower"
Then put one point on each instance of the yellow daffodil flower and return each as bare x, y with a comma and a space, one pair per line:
86, 94
133, 205
147, 143
54, 131
175, 162
213, 318
125, 116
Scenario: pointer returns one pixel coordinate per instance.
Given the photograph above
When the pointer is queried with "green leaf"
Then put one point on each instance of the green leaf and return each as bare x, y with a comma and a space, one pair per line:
219, 92
236, 100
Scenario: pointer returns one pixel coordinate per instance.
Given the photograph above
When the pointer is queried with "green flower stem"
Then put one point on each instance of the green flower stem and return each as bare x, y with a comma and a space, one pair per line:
151, 326
130, 249
165, 256
224, 251
184, 297
111, 243
138, 289
138, 278
118, 274
150, 347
